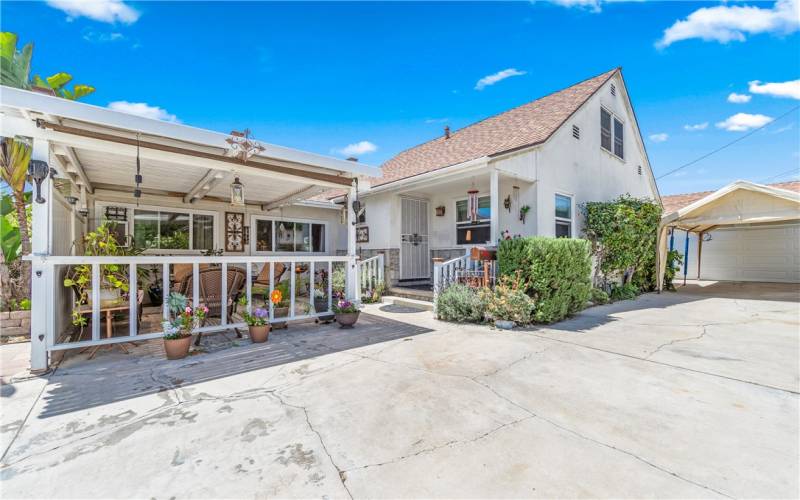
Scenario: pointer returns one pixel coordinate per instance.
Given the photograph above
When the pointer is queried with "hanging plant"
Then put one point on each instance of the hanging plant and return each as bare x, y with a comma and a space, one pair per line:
523, 212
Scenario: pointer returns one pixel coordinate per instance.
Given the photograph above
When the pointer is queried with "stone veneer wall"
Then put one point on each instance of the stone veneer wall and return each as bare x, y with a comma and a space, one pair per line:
15, 324
391, 262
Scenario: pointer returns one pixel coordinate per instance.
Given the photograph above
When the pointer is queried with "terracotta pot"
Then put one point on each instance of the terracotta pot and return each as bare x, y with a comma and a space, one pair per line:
347, 320
177, 348
258, 334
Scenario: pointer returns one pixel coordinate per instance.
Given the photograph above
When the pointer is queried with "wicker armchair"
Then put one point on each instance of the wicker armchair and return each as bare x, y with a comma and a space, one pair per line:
210, 292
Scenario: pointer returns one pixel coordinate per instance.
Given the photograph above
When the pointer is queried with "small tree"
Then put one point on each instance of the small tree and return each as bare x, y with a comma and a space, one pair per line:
623, 235
15, 154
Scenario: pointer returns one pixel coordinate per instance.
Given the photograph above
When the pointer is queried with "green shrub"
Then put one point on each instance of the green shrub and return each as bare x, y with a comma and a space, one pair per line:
624, 292
674, 261
508, 301
461, 304
557, 273
598, 296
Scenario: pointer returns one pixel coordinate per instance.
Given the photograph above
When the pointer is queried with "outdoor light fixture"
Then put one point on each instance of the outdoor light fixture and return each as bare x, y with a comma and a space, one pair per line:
38, 170
237, 193
240, 146
137, 191
71, 199
83, 212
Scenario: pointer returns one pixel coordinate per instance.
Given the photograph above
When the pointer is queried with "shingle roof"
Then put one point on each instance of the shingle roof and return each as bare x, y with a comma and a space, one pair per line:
677, 201
526, 125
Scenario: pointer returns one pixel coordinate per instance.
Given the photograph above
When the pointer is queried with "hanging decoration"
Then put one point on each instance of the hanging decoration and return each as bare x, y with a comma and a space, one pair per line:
237, 192
137, 191
472, 205
241, 146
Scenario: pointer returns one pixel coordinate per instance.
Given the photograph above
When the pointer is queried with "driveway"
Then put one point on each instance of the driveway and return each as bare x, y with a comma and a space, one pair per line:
689, 394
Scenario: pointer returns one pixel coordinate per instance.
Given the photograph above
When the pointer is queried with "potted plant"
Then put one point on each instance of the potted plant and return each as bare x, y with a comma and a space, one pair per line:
257, 322
178, 331
281, 302
346, 313
523, 212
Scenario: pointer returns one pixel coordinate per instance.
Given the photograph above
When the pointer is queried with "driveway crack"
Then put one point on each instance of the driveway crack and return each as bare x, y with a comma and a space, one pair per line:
675, 341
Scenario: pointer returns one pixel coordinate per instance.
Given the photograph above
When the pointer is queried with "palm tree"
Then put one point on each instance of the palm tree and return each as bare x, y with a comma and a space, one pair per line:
15, 154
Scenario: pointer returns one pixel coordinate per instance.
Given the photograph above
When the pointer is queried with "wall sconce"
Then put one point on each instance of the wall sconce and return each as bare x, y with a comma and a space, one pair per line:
83, 212
440, 211
72, 200
38, 170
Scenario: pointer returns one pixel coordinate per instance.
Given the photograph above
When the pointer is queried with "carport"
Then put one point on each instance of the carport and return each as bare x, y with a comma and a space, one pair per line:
739, 205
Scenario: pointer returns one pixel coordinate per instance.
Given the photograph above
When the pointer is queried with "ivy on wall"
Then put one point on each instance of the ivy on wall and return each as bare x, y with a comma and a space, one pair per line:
623, 235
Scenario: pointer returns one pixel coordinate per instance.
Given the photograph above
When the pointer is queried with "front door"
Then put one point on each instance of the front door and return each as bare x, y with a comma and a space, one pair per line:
414, 256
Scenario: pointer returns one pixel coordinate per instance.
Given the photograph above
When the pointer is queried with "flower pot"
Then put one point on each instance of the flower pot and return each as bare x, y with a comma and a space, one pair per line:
258, 334
156, 294
109, 296
504, 324
280, 312
177, 348
347, 320
320, 305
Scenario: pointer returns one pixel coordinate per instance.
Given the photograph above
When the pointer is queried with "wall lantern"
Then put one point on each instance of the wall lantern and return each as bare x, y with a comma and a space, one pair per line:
38, 170
237, 193
71, 199
440, 211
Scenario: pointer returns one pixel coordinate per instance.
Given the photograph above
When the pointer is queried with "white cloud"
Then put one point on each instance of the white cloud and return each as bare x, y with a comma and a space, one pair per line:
143, 109
696, 127
789, 89
739, 98
100, 37
107, 11
724, 23
591, 5
437, 120
661, 137
358, 148
499, 76
741, 122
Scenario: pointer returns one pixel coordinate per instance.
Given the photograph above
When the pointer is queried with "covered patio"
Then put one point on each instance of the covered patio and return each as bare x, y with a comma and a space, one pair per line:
217, 217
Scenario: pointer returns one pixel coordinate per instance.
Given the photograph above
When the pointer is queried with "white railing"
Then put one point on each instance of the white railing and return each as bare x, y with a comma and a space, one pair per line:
370, 272
451, 271
317, 288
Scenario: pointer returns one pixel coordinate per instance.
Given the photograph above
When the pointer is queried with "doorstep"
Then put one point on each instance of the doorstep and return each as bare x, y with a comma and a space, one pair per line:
411, 293
423, 305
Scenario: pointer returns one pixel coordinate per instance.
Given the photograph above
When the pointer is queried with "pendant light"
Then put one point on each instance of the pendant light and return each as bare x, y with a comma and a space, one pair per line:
137, 191
237, 192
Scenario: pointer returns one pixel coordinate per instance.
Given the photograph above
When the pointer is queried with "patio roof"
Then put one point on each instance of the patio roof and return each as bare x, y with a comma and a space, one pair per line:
97, 148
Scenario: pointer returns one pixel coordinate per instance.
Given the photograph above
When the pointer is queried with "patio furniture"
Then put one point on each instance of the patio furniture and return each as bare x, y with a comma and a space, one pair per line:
179, 274
108, 312
210, 291
263, 275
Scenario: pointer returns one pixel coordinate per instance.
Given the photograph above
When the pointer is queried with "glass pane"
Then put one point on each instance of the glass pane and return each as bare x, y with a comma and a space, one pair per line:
318, 237
484, 208
618, 138
472, 235
264, 235
285, 235
563, 230
203, 227
302, 289
461, 211
302, 237
174, 231
282, 300
321, 287
563, 207
145, 228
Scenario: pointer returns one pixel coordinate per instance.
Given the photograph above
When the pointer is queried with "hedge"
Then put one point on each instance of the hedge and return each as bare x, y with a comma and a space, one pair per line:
557, 272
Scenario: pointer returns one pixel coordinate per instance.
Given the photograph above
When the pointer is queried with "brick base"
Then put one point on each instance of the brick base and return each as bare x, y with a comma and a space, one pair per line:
15, 324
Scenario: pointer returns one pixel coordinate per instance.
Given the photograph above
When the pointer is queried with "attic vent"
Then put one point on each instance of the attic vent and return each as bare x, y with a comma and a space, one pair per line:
613, 89
576, 132
639, 169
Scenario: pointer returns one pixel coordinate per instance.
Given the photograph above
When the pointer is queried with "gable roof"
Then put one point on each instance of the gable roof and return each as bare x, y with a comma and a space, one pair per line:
526, 125
675, 202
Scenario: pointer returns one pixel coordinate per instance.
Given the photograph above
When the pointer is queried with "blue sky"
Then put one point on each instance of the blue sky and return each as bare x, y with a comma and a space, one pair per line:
387, 76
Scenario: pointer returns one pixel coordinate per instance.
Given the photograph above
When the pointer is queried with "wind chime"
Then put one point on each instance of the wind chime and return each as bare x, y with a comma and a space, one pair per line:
472, 210
137, 191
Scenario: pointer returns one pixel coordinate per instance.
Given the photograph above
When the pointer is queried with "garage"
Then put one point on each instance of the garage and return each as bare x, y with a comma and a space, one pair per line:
742, 232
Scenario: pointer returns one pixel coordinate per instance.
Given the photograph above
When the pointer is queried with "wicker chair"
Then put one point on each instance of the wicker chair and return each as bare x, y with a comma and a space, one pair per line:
210, 292
263, 275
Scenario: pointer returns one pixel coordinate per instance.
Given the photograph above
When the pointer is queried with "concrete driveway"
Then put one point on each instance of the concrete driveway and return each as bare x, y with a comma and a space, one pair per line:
690, 394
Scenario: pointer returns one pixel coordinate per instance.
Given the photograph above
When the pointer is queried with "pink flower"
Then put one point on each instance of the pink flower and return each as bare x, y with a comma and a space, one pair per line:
205, 309
188, 310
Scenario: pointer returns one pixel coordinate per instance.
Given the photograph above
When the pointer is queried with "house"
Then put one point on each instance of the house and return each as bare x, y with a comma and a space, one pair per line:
545, 158
219, 217
741, 232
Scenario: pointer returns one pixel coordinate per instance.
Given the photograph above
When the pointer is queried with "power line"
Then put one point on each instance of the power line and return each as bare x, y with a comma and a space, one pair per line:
778, 176
727, 145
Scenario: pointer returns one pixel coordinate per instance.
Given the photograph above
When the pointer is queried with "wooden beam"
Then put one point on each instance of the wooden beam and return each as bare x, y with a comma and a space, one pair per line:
208, 180
297, 174
291, 197
162, 192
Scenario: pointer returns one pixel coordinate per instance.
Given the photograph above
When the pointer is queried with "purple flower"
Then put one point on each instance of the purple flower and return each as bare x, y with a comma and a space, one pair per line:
344, 304
260, 313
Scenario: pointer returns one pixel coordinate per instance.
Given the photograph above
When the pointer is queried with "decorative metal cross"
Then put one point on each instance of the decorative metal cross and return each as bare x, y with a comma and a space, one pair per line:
241, 145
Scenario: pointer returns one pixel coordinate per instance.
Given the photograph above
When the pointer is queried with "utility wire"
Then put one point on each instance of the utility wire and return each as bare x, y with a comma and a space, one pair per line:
726, 145
778, 176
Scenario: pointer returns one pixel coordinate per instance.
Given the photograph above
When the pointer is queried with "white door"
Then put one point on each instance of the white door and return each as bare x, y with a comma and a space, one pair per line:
766, 253
414, 256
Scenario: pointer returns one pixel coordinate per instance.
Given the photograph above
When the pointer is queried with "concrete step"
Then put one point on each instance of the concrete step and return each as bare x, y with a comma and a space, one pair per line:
411, 293
403, 301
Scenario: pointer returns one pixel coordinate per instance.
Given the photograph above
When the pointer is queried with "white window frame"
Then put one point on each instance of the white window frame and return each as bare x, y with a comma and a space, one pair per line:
571, 219
480, 223
255, 218
130, 230
616, 117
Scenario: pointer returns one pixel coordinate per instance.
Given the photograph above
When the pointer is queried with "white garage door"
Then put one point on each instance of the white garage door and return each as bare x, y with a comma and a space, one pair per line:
767, 253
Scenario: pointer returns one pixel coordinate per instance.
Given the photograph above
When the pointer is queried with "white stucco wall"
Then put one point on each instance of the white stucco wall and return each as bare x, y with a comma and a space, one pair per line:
581, 168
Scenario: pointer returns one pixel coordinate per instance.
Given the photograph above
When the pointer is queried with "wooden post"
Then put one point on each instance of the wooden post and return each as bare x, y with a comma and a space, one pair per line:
699, 252
42, 295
